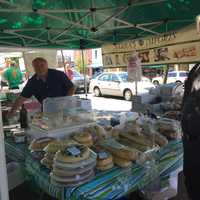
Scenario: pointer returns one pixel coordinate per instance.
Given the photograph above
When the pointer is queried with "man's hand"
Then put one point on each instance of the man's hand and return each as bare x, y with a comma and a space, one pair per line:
18, 103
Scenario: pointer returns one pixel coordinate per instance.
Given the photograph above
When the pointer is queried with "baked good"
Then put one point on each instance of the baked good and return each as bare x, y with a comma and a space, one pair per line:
104, 158
121, 162
73, 153
76, 165
139, 139
83, 137
40, 143
69, 172
62, 182
105, 167
54, 146
120, 150
47, 163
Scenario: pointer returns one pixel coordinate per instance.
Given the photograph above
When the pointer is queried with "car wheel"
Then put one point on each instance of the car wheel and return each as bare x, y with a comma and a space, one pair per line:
127, 95
156, 83
97, 92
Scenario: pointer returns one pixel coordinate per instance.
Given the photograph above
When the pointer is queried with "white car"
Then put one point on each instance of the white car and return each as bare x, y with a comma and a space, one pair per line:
116, 84
172, 77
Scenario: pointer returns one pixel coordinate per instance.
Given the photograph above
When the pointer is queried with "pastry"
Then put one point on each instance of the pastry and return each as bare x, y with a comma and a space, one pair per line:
121, 162
105, 167
40, 143
47, 163
73, 153
104, 158
120, 150
54, 146
82, 137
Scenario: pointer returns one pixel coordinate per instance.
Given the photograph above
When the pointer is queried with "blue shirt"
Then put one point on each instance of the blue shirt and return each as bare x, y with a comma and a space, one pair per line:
56, 85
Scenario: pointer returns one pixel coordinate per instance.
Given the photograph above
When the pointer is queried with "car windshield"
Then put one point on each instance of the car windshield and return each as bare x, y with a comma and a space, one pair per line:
123, 76
183, 74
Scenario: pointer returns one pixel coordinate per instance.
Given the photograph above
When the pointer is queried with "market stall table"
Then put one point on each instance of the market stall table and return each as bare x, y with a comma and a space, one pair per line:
111, 184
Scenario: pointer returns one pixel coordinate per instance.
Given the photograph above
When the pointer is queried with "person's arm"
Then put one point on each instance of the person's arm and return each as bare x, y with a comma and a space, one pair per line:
27, 92
68, 85
71, 91
17, 104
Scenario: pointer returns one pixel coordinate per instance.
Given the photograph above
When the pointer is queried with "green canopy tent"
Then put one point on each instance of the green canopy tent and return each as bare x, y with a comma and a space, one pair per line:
80, 24
75, 24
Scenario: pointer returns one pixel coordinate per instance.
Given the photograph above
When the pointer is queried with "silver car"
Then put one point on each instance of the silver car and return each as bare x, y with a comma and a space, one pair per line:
117, 84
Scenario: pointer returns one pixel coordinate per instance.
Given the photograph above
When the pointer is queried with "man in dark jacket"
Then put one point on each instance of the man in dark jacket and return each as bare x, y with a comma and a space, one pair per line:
44, 83
191, 133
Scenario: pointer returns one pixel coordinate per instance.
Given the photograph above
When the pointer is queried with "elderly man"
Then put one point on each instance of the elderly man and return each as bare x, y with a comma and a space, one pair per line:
44, 83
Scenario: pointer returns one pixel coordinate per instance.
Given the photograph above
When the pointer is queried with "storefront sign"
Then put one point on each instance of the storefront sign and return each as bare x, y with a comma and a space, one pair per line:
174, 47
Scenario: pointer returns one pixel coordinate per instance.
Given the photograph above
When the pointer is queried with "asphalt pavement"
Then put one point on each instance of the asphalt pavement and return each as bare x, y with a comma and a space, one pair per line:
108, 103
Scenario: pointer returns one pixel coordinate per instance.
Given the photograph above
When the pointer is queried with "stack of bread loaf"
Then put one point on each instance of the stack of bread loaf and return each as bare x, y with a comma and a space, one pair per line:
50, 151
37, 145
83, 138
104, 160
73, 165
122, 155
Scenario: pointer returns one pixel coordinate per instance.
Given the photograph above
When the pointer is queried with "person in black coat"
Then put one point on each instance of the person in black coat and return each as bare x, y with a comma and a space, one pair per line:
191, 133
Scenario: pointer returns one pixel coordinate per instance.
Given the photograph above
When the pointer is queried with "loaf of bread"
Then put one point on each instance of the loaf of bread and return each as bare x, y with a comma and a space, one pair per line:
66, 156
54, 146
83, 137
40, 143
105, 167
122, 162
104, 158
120, 150
139, 139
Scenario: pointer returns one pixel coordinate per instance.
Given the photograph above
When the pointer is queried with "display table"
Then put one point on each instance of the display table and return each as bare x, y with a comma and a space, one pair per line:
111, 184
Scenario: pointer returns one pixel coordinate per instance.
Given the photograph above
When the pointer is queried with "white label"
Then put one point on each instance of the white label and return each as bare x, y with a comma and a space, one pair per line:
74, 151
102, 155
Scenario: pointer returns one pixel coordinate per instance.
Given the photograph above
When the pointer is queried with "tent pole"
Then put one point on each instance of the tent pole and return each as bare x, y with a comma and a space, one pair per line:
84, 72
3, 170
63, 60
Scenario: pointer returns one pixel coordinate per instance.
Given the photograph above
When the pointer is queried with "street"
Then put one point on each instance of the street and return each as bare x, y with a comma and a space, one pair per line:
108, 103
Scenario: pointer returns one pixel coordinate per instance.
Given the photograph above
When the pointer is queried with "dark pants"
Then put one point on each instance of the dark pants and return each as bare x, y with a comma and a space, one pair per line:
191, 167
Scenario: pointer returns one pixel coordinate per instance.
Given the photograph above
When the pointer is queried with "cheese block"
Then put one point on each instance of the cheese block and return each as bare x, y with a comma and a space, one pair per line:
105, 167
73, 153
40, 143
104, 158
120, 150
121, 162
82, 137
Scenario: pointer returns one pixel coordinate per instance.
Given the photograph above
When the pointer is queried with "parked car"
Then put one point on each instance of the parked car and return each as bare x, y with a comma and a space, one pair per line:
78, 80
172, 77
116, 84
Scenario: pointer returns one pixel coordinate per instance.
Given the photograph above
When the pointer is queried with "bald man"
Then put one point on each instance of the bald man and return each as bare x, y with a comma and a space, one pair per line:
44, 83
